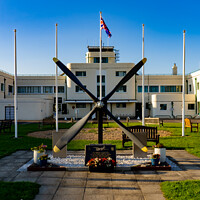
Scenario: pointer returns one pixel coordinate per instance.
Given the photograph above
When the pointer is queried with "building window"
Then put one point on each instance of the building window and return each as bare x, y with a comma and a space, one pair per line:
140, 88
64, 109
153, 89
34, 89
10, 88
120, 105
190, 88
191, 106
21, 89
48, 89
61, 89
122, 89
148, 106
59, 99
81, 105
59, 108
171, 88
81, 73
103, 90
163, 106
29, 89
96, 60
102, 79
103, 60
120, 73
2, 87
78, 89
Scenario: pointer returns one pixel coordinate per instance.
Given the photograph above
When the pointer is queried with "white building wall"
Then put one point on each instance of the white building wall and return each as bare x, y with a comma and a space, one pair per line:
28, 108
158, 99
6, 79
91, 82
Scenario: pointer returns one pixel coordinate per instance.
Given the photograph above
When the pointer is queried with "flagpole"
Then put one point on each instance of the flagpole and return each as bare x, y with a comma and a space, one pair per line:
15, 69
56, 51
100, 61
143, 76
183, 92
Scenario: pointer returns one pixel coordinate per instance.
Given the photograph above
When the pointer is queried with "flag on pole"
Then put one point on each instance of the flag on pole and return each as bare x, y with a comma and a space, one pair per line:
103, 26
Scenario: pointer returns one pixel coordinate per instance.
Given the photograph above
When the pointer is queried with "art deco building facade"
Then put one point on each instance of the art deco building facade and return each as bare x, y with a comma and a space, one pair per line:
36, 94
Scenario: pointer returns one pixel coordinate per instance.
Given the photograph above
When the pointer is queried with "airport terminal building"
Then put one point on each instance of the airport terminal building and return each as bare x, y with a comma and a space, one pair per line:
36, 94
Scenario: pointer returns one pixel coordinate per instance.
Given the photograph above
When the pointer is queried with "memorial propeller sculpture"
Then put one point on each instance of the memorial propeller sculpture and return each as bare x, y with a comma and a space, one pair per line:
99, 107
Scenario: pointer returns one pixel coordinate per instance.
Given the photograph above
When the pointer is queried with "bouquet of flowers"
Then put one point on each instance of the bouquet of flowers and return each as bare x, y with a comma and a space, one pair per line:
159, 145
44, 157
155, 156
101, 163
40, 148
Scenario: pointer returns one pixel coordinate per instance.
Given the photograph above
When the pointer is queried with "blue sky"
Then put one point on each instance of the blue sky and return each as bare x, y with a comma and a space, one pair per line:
78, 27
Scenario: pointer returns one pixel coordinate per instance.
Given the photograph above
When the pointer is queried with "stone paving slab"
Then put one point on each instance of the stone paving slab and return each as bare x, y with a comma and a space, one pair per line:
48, 181
48, 189
98, 197
72, 190
43, 197
73, 182
69, 196
83, 185
153, 196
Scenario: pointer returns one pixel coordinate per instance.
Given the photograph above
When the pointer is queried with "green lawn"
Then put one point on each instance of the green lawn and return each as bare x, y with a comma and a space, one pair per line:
18, 190
9, 144
181, 190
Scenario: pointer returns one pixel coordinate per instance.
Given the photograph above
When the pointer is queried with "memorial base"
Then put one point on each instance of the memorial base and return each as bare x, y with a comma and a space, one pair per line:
137, 152
148, 167
63, 153
102, 169
48, 167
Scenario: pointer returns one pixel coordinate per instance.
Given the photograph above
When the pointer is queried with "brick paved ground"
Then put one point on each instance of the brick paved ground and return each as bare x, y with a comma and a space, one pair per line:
83, 185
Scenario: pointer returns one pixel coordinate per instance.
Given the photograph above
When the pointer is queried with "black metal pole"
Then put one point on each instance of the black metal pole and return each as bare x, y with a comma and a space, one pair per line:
100, 125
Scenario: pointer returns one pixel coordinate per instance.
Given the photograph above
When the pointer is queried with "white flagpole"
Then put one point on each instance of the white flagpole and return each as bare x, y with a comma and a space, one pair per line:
183, 92
100, 61
15, 69
56, 51
143, 76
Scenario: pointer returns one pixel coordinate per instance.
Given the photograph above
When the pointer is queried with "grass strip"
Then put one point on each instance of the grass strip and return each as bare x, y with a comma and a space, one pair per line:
18, 190
181, 190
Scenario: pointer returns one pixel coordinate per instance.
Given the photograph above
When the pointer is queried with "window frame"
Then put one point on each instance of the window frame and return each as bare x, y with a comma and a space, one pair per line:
81, 73
163, 106
120, 73
81, 105
153, 86
189, 106
146, 89
120, 105
2, 87
46, 91
79, 90
122, 89
171, 88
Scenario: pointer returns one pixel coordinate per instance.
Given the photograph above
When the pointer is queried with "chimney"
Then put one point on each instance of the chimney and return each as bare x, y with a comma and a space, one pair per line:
174, 69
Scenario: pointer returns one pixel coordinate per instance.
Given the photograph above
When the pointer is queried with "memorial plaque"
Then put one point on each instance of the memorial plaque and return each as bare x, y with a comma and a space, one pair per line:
100, 151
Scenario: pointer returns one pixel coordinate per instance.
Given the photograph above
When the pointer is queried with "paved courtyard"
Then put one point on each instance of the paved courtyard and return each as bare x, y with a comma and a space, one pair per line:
83, 185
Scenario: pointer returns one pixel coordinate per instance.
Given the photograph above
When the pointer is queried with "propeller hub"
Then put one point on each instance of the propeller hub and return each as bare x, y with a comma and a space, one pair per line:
100, 104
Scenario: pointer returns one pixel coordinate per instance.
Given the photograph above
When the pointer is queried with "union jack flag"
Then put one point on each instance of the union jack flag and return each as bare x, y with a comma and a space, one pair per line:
103, 26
